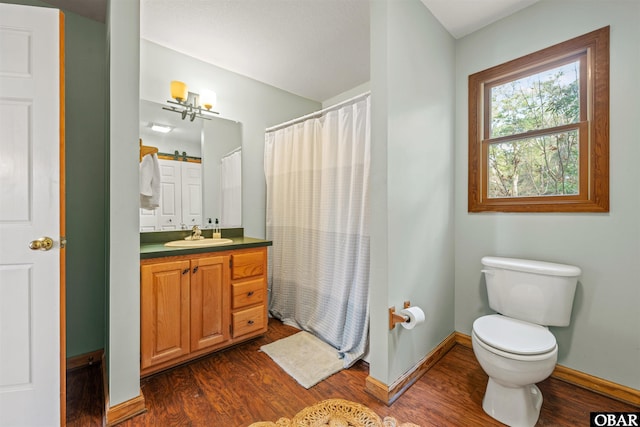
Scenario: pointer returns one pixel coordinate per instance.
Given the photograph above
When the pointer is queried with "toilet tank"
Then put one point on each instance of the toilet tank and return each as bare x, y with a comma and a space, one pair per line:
534, 291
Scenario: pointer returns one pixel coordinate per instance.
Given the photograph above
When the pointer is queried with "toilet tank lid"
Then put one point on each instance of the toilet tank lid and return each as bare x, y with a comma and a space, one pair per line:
531, 266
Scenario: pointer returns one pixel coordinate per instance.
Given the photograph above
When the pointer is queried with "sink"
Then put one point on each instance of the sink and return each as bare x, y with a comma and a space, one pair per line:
202, 243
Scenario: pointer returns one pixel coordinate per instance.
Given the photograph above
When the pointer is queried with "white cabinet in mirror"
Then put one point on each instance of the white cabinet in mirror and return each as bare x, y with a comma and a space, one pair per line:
180, 198
200, 168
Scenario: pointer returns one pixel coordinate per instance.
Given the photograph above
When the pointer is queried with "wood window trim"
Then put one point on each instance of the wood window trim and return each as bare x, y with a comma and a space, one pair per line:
596, 196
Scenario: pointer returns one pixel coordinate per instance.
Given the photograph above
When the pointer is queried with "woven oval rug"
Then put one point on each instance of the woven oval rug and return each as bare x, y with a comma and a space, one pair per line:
335, 413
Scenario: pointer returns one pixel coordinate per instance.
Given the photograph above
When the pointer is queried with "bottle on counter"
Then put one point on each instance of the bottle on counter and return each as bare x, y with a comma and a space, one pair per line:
216, 230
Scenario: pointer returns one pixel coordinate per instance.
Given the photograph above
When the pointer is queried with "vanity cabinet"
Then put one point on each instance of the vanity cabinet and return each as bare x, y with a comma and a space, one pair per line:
192, 305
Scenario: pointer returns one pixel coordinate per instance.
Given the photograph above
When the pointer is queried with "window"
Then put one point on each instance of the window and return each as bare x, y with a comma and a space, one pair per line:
539, 130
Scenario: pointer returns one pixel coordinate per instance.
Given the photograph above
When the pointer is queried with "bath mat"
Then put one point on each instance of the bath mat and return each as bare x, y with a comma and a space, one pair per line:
304, 357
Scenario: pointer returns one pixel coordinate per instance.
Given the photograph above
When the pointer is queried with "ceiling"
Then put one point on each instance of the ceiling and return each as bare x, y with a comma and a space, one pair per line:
316, 49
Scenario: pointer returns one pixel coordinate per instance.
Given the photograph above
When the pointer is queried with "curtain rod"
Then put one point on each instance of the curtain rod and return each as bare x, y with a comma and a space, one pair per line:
317, 113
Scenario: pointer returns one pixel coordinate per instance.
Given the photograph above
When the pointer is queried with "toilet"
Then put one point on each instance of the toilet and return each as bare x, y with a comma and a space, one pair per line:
514, 347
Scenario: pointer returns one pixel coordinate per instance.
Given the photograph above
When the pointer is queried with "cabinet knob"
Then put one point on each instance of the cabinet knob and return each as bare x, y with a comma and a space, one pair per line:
185, 271
250, 322
195, 269
250, 293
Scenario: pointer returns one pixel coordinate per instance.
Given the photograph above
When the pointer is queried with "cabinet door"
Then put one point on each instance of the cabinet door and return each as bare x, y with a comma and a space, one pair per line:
209, 302
164, 312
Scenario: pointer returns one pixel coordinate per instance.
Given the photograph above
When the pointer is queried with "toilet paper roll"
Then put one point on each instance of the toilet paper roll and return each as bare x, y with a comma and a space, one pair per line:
415, 315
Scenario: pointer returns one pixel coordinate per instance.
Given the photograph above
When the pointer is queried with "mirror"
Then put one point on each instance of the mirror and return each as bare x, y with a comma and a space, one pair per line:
200, 170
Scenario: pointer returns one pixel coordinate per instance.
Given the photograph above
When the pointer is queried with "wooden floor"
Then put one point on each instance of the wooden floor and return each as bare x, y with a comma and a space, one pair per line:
241, 385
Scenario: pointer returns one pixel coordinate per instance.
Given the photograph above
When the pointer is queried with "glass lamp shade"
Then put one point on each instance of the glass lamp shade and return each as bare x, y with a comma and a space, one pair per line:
179, 91
208, 99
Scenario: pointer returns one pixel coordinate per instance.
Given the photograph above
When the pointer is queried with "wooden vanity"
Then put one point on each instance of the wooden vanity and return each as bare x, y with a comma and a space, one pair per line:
197, 303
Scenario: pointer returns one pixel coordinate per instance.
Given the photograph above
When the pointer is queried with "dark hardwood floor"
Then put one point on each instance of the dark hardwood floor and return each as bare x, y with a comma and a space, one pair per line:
241, 385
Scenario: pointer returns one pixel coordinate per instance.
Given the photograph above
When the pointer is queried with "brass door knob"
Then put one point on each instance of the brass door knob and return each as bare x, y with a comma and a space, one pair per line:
41, 244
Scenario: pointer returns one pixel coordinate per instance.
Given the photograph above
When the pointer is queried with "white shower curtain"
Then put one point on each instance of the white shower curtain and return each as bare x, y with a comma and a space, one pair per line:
231, 186
317, 174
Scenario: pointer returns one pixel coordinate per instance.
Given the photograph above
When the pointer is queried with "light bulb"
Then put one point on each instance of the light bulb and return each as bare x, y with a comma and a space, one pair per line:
208, 99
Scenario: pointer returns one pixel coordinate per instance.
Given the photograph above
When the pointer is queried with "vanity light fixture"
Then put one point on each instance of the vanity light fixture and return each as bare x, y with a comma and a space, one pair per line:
190, 104
161, 128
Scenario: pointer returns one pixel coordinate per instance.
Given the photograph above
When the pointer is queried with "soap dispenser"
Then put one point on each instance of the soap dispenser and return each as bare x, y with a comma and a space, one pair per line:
216, 231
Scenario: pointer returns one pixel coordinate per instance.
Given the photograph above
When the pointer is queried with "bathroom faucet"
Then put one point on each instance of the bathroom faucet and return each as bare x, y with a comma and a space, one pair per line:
195, 233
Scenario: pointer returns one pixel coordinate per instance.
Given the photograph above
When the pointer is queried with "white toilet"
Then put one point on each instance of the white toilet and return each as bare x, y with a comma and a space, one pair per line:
515, 348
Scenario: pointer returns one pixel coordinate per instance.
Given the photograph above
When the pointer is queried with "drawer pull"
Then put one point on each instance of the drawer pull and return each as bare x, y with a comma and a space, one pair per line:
195, 269
250, 293
250, 322
185, 271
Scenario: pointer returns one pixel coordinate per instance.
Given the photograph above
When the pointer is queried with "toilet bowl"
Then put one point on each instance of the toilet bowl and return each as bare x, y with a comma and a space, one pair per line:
515, 355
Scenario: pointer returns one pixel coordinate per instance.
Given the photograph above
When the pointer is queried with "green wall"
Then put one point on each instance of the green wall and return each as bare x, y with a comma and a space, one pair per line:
86, 145
602, 339
412, 135
85, 98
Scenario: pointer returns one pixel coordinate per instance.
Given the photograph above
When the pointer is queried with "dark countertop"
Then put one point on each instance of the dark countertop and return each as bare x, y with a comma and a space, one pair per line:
152, 248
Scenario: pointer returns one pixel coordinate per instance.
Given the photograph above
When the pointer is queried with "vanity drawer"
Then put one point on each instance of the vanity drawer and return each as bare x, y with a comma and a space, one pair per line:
247, 321
248, 265
247, 293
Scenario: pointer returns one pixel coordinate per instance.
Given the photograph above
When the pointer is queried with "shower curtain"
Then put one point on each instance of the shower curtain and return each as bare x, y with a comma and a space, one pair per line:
231, 189
317, 212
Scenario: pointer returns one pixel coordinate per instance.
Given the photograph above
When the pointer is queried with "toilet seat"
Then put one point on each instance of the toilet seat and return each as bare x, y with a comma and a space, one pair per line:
514, 336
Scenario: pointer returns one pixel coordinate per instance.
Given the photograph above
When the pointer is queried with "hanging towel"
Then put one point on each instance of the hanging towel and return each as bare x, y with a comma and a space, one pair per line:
149, 182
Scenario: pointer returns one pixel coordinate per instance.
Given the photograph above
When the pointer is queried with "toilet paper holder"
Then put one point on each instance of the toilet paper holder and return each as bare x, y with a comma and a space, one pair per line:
397, 318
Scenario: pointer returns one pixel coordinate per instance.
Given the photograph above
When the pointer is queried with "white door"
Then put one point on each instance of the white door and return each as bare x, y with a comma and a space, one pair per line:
148, 220
29, 209
148, 217
170, 214
191, 194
